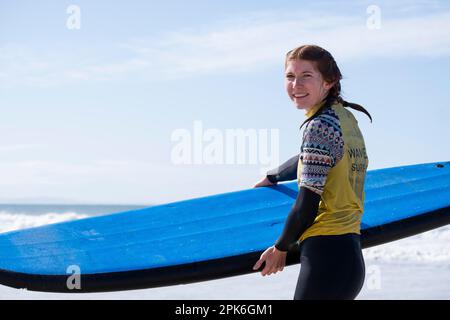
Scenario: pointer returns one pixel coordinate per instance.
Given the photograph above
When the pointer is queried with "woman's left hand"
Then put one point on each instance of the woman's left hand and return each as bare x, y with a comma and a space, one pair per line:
275, 261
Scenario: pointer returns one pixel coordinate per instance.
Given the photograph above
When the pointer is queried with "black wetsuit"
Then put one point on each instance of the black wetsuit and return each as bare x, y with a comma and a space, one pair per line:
332, 267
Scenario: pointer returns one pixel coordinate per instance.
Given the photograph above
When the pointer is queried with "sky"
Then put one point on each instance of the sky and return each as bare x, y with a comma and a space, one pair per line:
138, 102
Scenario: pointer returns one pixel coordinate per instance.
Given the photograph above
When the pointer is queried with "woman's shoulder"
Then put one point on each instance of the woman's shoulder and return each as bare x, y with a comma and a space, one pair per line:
325, 131
326, 120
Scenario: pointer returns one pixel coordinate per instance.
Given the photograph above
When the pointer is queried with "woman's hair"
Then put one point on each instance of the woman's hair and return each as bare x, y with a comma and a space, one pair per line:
330, 72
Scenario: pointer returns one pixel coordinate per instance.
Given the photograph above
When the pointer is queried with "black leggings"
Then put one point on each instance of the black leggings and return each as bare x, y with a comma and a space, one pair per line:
332, 267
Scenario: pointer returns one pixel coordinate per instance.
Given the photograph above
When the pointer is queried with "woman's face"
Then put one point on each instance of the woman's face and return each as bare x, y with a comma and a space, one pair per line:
304, 84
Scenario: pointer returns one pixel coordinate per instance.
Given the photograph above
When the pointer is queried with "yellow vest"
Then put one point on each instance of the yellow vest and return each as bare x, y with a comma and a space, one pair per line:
342, 198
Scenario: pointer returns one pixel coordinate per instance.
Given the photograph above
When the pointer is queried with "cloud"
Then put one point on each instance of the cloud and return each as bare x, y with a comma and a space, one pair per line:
255, 46
250, 42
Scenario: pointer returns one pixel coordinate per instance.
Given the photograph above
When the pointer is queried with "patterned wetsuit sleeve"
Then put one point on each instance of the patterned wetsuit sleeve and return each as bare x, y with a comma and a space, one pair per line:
287, 171
322, 148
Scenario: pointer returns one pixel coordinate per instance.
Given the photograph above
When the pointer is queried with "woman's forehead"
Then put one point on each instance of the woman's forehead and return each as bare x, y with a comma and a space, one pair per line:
300, 65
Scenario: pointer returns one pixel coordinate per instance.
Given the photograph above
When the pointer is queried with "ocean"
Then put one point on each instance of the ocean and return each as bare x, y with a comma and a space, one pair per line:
22, 216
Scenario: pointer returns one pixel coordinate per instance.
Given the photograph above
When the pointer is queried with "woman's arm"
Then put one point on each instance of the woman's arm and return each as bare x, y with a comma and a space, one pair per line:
287, 171
300, 218
320, 152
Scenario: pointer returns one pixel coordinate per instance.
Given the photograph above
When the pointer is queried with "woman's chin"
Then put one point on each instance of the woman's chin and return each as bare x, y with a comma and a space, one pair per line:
300, 106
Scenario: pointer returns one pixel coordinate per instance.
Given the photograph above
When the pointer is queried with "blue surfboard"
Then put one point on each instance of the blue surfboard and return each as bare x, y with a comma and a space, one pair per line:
207, 238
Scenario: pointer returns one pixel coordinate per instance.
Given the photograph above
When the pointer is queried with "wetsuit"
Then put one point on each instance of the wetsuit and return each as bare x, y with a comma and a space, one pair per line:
326, 216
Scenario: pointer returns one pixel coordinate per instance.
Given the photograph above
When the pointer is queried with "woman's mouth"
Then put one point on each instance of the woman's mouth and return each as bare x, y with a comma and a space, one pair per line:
300, 96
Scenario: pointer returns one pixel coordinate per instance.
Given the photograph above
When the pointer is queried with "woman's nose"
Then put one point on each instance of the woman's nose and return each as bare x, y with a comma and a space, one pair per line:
297, 82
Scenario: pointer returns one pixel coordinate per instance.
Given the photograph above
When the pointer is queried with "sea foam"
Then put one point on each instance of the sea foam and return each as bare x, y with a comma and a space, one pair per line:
16, 221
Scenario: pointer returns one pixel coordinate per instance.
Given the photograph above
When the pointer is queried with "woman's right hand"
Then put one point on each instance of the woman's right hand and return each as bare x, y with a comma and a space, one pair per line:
263, 183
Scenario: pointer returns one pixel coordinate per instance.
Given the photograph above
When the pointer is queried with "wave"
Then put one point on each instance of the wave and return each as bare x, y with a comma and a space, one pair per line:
431, 246
16, 221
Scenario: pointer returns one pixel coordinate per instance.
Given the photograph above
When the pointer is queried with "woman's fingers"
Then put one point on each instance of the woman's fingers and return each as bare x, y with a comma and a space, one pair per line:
281, 264
266, 269
276, 266
274, 262
258, 264
270, 268
269, 262
262, 258
263, 183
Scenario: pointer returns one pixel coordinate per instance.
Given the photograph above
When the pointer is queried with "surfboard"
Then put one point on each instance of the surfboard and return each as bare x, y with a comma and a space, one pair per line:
206, 238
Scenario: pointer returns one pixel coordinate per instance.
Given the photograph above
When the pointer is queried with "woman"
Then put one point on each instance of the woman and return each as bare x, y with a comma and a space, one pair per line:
333, 162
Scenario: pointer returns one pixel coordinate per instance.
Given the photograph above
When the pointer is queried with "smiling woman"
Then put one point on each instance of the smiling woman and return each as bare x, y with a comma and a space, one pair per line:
305, 84
313, 70
326, 216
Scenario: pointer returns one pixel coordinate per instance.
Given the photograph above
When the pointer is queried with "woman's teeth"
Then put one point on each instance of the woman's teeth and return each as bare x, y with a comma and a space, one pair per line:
300, 95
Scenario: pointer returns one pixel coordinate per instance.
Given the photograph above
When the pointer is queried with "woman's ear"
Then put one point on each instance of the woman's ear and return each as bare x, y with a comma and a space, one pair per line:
328, 85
